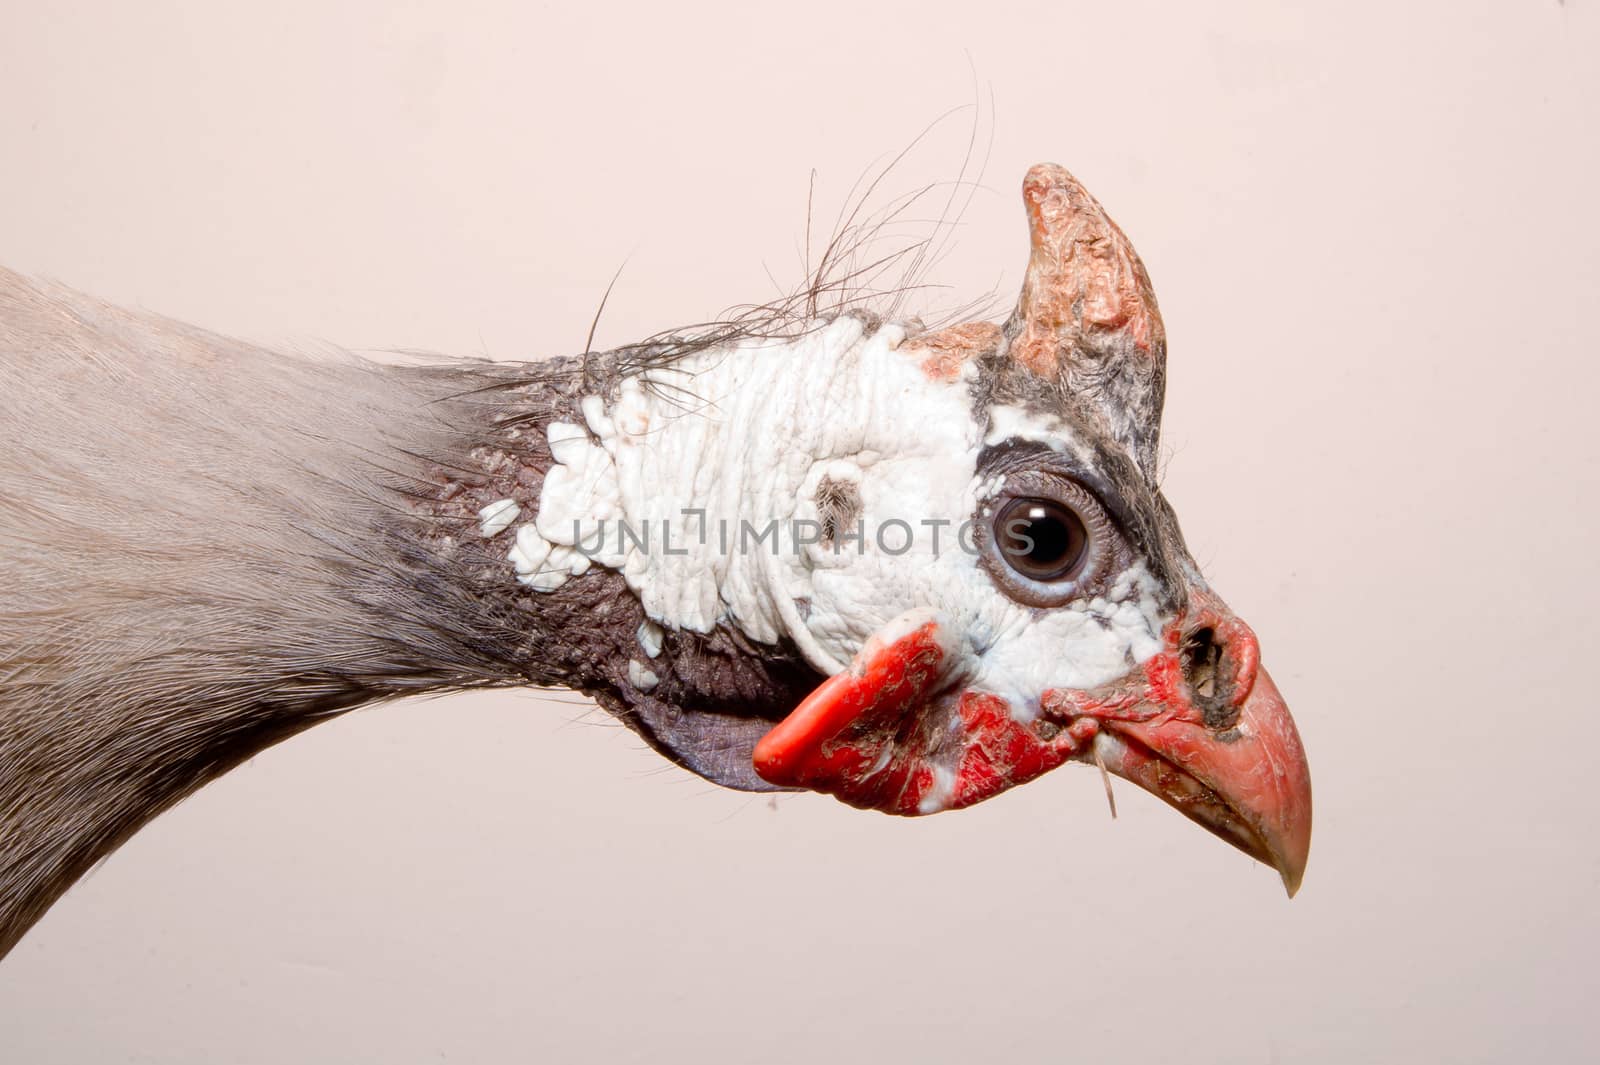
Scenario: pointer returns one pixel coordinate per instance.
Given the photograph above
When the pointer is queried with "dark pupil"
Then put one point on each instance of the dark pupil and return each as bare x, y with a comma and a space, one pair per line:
1041, 539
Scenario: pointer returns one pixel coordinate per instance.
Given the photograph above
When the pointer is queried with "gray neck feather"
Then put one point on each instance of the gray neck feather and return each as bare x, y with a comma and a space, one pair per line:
206, 547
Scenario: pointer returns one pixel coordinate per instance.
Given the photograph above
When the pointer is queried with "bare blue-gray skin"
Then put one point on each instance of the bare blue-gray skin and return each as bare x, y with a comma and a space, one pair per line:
206, 547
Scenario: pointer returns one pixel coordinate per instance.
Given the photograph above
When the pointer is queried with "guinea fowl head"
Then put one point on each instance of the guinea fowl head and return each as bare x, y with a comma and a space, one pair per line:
960, 530
907, 568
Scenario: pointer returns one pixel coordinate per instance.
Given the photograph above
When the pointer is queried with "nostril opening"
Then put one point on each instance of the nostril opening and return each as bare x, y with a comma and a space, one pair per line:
1201, 653
1203, 673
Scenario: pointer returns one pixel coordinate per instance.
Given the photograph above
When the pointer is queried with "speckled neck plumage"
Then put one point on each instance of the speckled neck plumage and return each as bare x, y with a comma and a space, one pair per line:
592, 633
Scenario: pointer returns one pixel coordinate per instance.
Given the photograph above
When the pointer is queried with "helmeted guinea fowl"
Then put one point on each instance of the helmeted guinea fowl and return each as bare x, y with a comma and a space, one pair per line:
908, 568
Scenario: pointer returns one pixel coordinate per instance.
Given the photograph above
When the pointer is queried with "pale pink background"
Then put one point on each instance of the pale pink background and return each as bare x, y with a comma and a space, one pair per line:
1373, 232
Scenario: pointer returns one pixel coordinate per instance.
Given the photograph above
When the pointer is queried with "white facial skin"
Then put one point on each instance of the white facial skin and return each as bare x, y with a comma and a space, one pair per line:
747, 435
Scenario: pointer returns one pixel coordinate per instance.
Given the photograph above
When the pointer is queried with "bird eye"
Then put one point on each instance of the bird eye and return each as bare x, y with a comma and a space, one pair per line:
1047, 540
1041, 539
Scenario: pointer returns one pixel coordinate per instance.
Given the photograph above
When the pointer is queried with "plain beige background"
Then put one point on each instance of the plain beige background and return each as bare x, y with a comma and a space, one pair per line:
1373, 232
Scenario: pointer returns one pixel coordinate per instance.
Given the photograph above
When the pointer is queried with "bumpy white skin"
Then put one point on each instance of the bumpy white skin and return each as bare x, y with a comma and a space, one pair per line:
746, 435
497, 517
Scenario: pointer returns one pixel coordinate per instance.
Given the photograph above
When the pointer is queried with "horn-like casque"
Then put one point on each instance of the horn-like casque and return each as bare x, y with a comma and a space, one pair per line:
1087, 318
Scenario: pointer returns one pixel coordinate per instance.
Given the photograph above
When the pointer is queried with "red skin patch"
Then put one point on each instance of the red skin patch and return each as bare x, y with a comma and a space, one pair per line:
835, 740
1002, 753
873, 734
944, 353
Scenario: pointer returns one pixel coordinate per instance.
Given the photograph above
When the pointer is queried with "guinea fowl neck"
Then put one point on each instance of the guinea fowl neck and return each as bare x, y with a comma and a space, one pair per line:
209, 547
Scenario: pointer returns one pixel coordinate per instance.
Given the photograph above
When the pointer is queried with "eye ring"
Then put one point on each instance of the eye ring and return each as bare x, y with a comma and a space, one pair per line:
1046, 540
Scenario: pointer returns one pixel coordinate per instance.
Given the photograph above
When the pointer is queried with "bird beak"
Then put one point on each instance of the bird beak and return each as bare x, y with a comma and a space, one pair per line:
1248, 784
1203, 726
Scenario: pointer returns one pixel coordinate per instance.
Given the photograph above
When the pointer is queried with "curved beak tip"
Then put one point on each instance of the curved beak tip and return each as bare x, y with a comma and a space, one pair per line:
1252, 789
